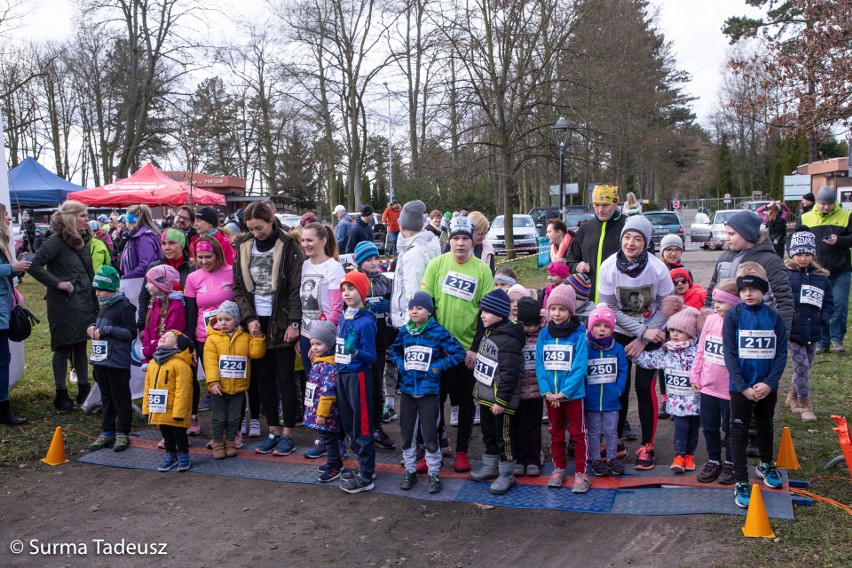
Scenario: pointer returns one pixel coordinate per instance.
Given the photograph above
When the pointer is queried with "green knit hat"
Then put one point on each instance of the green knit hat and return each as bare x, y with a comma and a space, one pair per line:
106, 279
175, 235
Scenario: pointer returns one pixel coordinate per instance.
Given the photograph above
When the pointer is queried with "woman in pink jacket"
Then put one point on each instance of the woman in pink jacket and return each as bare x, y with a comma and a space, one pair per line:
709, 376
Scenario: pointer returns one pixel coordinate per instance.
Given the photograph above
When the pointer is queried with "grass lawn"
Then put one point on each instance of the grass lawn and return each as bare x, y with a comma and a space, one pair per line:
819, 535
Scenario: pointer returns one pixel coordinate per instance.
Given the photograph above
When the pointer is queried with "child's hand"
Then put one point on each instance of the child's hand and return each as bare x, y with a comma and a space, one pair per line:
696, 388
255, 331
96, 333
215, 389
320, 420
634, 348
90, 331
750, 394
762, 390
497, 410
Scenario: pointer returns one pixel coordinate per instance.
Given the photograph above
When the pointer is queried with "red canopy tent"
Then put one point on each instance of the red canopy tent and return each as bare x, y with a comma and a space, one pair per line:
149, 186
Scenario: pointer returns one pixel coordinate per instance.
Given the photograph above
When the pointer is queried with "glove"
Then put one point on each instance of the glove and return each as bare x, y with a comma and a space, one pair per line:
381, 306
349, 343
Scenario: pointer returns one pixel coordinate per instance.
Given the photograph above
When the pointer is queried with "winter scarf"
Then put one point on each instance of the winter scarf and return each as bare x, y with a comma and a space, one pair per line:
631, 269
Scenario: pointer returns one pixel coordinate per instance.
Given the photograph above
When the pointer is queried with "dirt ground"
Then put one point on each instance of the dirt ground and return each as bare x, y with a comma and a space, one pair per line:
217, 521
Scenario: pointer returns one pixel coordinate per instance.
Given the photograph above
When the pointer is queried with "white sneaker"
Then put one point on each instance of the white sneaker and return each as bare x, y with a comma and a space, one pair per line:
254, 428
454, 416
476, 416
238, 440
243, 427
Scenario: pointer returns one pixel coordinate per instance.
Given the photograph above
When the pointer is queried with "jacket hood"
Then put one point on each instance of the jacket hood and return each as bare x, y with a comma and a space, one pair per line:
814, 269
515, 329
423, 238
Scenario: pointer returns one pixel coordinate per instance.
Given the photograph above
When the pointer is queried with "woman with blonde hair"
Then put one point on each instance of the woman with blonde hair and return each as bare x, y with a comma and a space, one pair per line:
632, 206
482, 249
143, 245
64, 265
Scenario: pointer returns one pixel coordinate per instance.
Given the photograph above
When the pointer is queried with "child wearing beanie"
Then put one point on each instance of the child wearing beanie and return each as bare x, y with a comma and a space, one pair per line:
675, 358
321, 412
498, 370
557, 272
228, 352
606, 379
422, 352
166, 308
561, 357
582, 289
528, 416
709, 377
516, 292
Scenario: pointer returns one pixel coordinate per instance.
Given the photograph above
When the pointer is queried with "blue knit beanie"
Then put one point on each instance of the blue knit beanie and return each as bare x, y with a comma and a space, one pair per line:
747, 224
497, 302
423, 300
365, 250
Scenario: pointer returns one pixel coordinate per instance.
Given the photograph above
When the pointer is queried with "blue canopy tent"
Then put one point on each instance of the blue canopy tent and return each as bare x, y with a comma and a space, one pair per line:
30, 183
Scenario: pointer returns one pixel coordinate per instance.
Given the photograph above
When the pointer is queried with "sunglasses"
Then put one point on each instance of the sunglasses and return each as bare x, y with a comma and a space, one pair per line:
680, 281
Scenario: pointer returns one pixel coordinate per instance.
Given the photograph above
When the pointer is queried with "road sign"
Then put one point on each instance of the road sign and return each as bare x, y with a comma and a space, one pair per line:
675, 204
727, 199
795, 187
570, 189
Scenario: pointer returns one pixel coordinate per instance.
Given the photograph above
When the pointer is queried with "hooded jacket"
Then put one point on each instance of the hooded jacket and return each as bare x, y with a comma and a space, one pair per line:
359, 232
563, 369
240, 344
594, 242
606, 378
117, 326
173, 318
814, 302
708, 370
414, 254
834, 258
321, 395
422, 357
142, 248
763, 253
175, 376
100, 254
750, 363
360, 333
676, 364
499, 366
342, 230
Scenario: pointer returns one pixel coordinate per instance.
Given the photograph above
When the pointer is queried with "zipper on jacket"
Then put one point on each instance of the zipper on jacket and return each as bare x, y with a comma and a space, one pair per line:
598, 261
602, 388
555, 385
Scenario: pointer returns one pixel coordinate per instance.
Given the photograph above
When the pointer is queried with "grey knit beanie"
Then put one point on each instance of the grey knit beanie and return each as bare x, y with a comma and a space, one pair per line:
641, 225
326, 332
746, 223
827, 195
412, 217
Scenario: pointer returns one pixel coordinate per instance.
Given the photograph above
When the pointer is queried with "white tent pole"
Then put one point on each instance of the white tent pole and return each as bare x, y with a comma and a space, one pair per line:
5, 198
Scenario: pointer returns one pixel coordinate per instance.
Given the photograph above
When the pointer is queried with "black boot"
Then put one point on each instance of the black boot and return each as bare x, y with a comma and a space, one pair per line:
83, 392
6, 416
63, 402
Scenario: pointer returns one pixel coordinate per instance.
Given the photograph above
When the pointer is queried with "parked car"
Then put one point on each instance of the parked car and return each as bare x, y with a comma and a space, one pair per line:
523, 229
755, 205
288, 220
380, 230
699, 231
540, 216
664, 223
573, 219
718, 233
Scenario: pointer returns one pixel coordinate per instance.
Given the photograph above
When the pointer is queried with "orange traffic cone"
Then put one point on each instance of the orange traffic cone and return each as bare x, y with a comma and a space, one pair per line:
844, 439
786, 452
757, 521
56, 453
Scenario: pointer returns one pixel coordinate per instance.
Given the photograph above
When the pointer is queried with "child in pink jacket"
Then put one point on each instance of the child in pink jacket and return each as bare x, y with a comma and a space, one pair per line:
710, 378
166, 309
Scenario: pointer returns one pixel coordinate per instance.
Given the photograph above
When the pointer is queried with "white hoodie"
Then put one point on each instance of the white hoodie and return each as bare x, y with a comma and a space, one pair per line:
415, 252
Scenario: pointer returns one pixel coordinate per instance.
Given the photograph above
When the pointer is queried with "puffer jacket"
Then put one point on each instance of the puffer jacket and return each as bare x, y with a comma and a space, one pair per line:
814, 302
321, 391
142, 248
117, 326
239, 344
184, 269
594, 242
606, 378
570, 382
834, 258
708, 370
175, 376
499, 366
414, 254
429, 353
681, 400
745, 368
173, 318
529, 382
763, 253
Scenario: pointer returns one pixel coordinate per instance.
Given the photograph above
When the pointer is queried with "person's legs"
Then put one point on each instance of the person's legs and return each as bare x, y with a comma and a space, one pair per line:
101, 375
577, 430
800, 383
624, 399
332, 454
60, 366
263, 370
610, 431
681, 433
119, 380
710, 417
646, 398
692, 434
408, 426
527, 424
81, 363
378, 379
558, 417
254, 396
304, 349
740, 418
390, 380
427, 417
840, 292
234, 403
488, 427
5, 361
358, 388
504, 433
218, 416
463, 383
594, 424
764, 411
285, 374
168, 436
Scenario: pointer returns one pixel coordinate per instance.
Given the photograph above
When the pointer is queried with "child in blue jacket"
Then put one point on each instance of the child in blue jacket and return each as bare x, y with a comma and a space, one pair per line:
354, 355
754, 341
423, 350
606, 379
561, 358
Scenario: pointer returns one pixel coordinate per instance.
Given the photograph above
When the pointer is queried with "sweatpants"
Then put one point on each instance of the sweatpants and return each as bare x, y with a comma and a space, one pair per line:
458, 383
686, 435
527, 425
355, 400
276, 376
498, 433
77, 354
646, 395
597, 424
116, 403
390, 380
175, 439
332, 449
420, 413
802, 357
568, 415
741, 409
716, 413
225, 410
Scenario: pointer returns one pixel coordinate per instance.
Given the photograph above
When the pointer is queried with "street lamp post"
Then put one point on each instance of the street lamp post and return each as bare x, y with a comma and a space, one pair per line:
390, 145
561, 134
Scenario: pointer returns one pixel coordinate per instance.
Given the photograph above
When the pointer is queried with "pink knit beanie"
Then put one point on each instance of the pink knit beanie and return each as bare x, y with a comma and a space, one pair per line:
602, 314
563, 295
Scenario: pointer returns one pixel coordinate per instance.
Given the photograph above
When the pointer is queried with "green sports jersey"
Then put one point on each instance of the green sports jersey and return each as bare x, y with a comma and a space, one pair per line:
456, 290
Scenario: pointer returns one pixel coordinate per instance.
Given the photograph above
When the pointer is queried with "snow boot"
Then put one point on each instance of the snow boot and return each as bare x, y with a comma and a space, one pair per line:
489, 469
506, 479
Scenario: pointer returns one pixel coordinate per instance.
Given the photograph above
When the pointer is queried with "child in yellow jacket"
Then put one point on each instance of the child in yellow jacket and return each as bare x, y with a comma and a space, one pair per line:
227, 363
167, 401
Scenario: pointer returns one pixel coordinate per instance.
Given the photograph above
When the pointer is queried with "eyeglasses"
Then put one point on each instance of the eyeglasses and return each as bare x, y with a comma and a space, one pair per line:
679, 281
182, 218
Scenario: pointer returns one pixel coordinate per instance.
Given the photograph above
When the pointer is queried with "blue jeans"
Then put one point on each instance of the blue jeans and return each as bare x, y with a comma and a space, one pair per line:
836, 328
716, 413
391, 243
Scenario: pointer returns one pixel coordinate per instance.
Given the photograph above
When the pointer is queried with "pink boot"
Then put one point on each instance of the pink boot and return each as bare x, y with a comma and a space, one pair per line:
194, 427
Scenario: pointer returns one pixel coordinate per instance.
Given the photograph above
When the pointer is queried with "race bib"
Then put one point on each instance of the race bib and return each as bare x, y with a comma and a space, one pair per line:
484, 370
558, 357
233, 366
158, 399
100, 350
757, 344
418, 358
713, 351
811, 295
677, 383
209, 316
602, 371
310, 388
341, 357
529, 358
459, 285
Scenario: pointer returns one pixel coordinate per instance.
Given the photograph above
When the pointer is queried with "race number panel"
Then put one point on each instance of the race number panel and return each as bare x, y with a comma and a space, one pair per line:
713, 351
418, 358
677, 383
100, 350
341, 357
459, 285
558, 357
233, 366
158, 400
602, 371
310, 388
484, 370
757, 344
209, 316
811, 295
529, 358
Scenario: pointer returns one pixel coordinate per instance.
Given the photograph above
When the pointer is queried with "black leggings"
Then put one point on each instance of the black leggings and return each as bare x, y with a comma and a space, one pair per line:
253, 398
646, 395
275, 374
77, 353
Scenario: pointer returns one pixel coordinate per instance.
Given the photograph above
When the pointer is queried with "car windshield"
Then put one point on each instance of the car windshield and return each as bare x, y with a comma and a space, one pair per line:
722, 217
574, 219
518, 221
663, 219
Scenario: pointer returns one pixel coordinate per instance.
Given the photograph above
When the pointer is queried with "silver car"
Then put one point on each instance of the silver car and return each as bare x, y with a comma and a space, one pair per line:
718, 233
523, 229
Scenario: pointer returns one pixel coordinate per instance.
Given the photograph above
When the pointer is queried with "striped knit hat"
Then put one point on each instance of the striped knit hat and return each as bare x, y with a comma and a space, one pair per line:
582, 286
497, 302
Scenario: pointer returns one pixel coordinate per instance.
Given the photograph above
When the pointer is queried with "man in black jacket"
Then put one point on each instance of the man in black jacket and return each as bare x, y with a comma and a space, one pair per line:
361, 231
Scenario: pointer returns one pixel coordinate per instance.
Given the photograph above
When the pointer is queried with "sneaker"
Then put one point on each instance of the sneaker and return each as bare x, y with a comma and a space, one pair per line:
103, 441
329, 474
408, 480
621, 452
122, 442
383, 440
204, 403
615, 467
238, 440
837, 347
161, 444
462, 464
476, 419
545, 419
710, 472
388, 414
285, 446
183, 462
581, 483
689, 462
243, 429
557, 478
629, 434
727, 477
434, 483
742, 495
357, 484
169, 461
267, 445
644, 458
533, 471
767, 472
677, 464
599, 468
454, 416
318, 450
445, 446
346, 474
194, 427
254, 428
